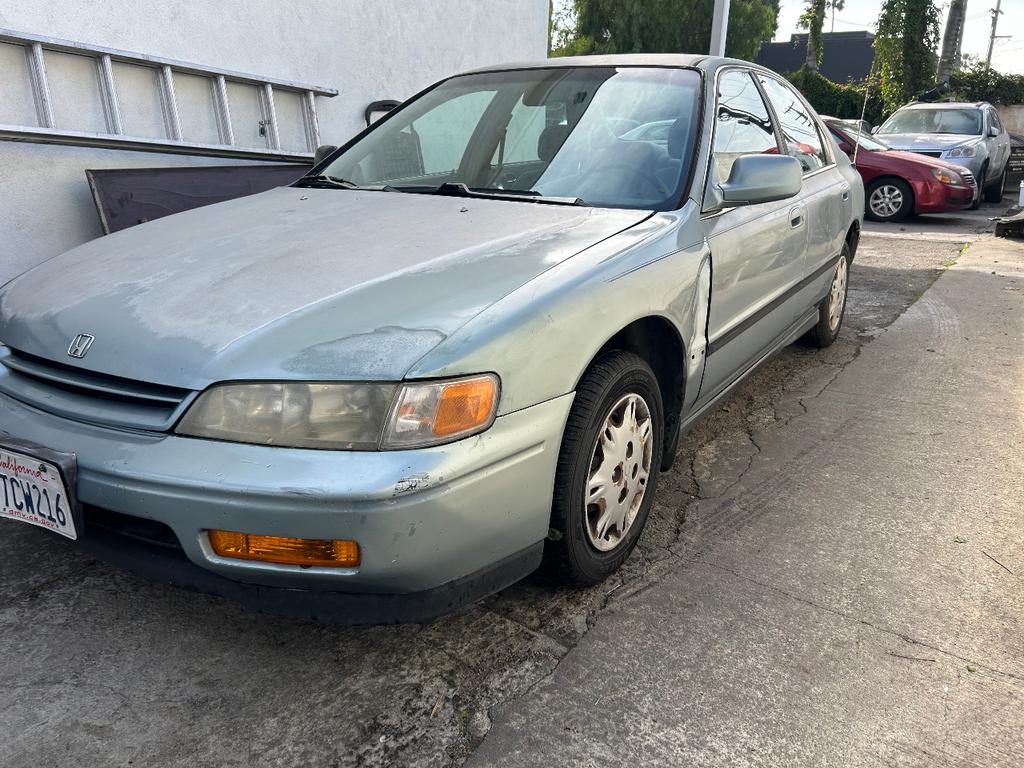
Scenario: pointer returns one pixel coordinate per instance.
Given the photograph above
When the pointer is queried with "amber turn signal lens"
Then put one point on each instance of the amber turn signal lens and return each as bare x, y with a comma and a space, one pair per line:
336, 553
464, 405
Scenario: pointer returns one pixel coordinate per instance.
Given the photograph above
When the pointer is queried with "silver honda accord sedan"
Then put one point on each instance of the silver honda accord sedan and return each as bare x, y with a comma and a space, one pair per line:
465, 344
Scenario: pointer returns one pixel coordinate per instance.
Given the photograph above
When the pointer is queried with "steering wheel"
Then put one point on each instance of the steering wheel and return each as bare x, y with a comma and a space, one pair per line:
645, 176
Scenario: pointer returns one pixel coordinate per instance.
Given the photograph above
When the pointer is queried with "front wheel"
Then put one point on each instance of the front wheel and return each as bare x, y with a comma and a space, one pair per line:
833, 307
979, 192
607, 469
994, 192
888, 200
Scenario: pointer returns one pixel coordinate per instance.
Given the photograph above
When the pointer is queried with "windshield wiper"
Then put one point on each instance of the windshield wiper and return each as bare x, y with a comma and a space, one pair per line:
460, 189
324, 181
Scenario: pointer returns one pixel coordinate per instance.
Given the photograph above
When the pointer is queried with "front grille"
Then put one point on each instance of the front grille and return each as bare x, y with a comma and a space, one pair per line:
135, 528
930, 153
88, 396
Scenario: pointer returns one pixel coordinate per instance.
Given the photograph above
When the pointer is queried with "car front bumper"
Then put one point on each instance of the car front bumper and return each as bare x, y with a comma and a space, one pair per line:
935, 197
972, 164
461, 520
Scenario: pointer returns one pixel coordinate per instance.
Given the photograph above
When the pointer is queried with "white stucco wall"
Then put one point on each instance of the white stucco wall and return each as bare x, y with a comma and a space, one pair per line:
1012, 117
367, 49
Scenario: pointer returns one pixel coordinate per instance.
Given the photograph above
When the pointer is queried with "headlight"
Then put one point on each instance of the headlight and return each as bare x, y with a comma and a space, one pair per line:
947, 176
964, 151
346, 416
439, 411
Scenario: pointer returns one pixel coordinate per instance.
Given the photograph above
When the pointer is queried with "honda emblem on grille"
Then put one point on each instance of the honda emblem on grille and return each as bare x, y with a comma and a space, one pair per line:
81, 344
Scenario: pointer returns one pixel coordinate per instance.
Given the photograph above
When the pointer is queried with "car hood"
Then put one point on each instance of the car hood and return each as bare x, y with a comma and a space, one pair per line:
291, 283
924, 142
897, 158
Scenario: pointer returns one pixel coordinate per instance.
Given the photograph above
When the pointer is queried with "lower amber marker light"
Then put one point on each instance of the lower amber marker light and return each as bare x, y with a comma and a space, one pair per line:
332, 553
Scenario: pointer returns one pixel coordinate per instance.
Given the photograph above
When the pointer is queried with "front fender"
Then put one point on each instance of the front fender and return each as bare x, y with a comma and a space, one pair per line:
541, 338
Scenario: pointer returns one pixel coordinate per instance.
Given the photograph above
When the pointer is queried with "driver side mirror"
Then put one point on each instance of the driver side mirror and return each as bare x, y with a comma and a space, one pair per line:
322, 153
874, 129
761, 179
993, 131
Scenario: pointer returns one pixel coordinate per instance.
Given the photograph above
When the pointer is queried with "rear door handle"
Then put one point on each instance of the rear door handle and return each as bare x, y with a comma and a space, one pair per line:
796, 216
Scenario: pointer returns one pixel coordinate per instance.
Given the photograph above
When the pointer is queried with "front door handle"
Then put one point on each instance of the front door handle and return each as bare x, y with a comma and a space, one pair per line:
846, 192
796, 216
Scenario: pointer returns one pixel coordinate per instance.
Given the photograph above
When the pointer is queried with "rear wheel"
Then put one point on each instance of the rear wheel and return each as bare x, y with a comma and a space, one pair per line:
888, 200
833, 307
994, 192
607, 469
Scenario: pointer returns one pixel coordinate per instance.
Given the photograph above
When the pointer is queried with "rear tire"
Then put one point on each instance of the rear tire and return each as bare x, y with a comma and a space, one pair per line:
994, 192
607, 470
888, 200
832, 308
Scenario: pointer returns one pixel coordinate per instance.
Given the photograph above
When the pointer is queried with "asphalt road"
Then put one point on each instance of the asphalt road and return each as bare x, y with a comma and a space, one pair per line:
831, 575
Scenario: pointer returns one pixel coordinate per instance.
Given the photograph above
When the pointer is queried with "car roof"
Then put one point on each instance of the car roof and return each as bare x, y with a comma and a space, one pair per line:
689, 60
946, 105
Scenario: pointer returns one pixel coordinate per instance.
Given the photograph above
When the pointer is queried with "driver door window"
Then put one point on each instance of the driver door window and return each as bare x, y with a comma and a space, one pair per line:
798, 128
742, 124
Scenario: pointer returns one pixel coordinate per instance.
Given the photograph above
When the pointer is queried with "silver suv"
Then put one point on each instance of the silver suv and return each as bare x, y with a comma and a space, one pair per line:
968, 134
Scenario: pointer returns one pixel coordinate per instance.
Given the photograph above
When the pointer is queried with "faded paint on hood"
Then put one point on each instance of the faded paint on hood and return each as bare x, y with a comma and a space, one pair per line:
291, 283
923, 142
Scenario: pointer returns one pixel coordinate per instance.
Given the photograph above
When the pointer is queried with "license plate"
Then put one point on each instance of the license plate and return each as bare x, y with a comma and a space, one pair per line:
34, 492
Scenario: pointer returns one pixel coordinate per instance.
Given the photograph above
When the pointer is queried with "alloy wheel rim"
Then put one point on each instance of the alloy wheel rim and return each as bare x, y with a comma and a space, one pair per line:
886, 201
620, 466
837, 296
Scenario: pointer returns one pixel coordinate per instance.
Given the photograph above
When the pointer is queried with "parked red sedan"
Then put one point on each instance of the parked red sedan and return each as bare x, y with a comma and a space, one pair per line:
898, 183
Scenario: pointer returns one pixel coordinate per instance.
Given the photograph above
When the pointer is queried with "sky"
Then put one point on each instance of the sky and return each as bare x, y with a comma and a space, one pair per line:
1007, 55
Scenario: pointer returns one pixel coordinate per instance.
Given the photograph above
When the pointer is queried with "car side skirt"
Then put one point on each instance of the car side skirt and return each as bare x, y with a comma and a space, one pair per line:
795, 331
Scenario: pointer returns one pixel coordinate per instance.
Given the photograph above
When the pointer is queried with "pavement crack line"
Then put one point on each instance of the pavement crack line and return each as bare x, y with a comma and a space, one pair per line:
885, 630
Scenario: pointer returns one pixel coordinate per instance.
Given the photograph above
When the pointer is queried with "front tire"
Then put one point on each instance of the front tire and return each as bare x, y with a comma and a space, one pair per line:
888, 200
607, 470
994, 192
832, 308
980, 191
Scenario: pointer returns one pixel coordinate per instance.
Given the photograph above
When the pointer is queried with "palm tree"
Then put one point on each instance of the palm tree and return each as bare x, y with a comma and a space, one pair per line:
813, 19
951, 40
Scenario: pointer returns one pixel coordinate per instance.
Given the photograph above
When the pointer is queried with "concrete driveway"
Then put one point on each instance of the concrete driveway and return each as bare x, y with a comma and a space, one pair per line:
831, 575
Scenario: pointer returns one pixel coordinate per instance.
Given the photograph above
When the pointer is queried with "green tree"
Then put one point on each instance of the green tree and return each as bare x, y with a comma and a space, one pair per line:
664, 26
905, 44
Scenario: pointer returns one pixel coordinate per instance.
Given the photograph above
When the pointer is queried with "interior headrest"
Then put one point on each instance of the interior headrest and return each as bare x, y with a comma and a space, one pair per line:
551, 140
678, 136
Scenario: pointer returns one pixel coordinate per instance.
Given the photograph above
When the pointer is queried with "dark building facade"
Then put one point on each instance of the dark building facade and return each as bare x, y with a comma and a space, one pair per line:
844, 55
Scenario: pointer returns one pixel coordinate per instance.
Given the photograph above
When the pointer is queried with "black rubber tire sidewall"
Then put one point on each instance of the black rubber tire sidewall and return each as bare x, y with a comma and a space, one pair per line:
568, 553
994, 192
822, 335
976, 203
905, 209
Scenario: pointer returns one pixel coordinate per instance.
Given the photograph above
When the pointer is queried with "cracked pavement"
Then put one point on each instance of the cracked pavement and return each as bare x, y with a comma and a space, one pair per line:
801, 594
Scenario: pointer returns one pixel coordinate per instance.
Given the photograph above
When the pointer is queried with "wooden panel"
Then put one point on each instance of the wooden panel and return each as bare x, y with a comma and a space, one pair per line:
129, 196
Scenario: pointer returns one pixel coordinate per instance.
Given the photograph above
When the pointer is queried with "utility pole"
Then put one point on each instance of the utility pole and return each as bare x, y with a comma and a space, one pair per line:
719, 27
951, 40
992, 37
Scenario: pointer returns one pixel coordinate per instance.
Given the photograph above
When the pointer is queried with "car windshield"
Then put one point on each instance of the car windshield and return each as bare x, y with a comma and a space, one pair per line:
963, 121
549, 135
